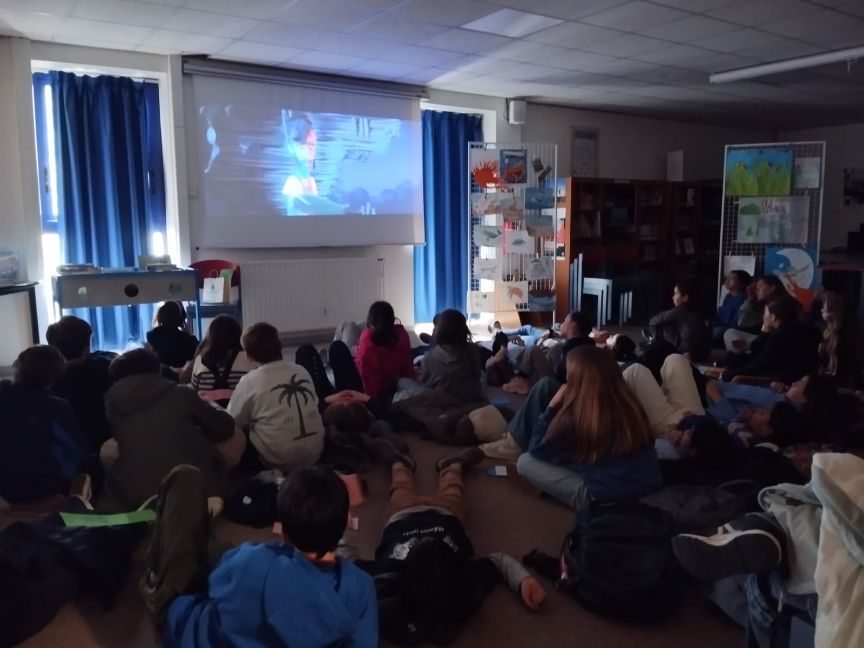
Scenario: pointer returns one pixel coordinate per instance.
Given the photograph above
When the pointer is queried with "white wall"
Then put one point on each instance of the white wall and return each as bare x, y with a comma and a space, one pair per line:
635, 148
844, 149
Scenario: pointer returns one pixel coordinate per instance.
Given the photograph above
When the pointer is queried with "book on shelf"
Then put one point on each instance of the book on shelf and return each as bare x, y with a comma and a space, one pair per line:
689, 248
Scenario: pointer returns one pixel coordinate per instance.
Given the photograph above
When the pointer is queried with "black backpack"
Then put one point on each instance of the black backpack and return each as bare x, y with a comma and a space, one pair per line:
618, 562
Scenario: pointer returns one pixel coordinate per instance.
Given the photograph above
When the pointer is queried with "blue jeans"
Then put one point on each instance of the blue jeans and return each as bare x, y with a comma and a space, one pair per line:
562, 484
535, 404
529, 334
768, 626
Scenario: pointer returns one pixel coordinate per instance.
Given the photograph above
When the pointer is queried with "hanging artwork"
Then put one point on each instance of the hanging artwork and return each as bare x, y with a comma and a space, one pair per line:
853, 187
484, 167
808, 172
539, 269
487, 268
584, 153
539, 198
797, 269
539, 224
481, 302
512, 167
488, 204
773, 220
512, 210
488, 235
759, 172
515, 293
518, 242
541, 299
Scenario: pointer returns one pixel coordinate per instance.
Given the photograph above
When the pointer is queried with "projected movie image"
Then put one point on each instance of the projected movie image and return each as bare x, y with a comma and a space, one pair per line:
282, 162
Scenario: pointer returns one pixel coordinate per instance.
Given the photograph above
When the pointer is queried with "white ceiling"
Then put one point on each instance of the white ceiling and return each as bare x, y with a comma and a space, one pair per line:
642, 57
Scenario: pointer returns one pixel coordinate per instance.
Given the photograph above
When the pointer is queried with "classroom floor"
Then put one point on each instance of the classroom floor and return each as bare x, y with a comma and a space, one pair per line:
501, 516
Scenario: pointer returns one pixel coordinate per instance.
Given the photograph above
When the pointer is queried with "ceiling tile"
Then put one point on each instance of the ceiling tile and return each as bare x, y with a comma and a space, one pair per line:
573, 35
377, 69
575, 60
258, 52
526, 71
444, 12
424, 75
53, 7
781, 50
715, 62
512, 23
416, 55
211, 24
567, 9
28, 22
692, 28
634, 16
523, 51
466, 41
326, 61
627, 45
672, 76
479, 64
353, 45
287, 35
329, 16
698, 6
397, 29
754, 13
257, 9
187, 43
673, 54
624, 67
855, 8
102, 31
130, 13
813, 23
737, 40
838, 38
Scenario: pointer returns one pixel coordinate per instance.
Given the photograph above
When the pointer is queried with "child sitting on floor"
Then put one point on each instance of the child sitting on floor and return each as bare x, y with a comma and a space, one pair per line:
170, 338
220, 362
296, 592
429, 584
85, 380
41, 447
277, 405
684, 326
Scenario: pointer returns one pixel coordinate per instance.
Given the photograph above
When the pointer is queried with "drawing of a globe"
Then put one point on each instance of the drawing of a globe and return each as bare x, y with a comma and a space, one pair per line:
799, 268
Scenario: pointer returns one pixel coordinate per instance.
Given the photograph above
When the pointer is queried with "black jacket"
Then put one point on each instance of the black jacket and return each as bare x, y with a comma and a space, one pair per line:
788, 354
84, 384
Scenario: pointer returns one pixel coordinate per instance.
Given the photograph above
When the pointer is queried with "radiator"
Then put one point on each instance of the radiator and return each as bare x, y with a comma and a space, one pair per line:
310, 294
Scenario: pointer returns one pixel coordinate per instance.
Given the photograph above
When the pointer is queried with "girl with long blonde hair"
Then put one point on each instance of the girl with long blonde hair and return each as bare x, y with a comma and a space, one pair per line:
594, 441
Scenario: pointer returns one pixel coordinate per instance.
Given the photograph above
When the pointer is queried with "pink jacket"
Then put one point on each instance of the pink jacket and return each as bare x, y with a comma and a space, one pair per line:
382, 366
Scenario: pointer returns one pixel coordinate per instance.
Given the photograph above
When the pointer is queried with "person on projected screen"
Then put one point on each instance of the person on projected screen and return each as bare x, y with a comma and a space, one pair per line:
300, 189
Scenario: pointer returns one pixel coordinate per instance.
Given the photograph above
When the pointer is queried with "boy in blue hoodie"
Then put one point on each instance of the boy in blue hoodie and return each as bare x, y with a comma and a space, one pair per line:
291, 593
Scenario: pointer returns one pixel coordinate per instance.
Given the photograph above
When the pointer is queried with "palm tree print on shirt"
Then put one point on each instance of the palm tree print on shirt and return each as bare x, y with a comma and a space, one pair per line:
292, 391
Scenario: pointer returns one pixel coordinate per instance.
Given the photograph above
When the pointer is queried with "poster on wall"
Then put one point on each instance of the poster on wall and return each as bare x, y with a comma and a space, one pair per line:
484, 167
481, 302
487, 269
541, 299
514, 293
518, 242
583, 163
539, 224
798, 270
537, 198
513, 169
808, 172
758, 172
489, 204
539, 269
488, 235
773, 220
853, 187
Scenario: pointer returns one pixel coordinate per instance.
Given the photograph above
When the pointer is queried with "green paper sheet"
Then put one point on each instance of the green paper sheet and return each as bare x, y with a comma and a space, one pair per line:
114, 519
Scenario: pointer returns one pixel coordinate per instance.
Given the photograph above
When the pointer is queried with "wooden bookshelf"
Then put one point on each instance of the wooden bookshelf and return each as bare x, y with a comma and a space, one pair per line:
635, 229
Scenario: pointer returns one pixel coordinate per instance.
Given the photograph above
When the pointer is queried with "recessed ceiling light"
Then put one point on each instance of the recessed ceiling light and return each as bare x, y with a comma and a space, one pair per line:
509, 22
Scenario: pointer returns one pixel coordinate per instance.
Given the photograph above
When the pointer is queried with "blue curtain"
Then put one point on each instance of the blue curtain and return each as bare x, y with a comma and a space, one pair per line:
441, 266
110, 183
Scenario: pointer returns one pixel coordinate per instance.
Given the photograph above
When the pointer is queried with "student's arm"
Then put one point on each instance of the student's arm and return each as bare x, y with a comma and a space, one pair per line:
537, 445
366, 633
406, 359
765, 362
749, 314
666, 318
518, 579
216, 424
240, 405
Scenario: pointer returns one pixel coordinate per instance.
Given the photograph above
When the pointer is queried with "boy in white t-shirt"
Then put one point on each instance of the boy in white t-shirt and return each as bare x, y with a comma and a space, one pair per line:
277, 405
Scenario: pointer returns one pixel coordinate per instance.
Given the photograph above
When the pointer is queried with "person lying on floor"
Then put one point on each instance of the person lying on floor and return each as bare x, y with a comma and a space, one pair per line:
593, 442
517, 368
804, 553
41, 447
85, 380
292, 592
277, 406
158, 424
788, 349
428, 582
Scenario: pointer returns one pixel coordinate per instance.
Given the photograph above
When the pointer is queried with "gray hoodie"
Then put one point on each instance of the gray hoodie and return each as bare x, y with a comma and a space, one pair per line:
158, 425
454, 370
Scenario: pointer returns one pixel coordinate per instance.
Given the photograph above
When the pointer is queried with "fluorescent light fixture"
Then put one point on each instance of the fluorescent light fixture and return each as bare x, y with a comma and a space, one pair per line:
788, 65
512, 23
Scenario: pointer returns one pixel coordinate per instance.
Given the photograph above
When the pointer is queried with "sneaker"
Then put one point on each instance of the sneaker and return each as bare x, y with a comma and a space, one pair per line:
505, 449
82, 488
425, 338
469, 457
500, 340
729, 552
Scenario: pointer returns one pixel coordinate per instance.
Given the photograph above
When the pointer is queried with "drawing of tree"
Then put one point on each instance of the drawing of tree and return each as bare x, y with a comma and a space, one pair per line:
293, 390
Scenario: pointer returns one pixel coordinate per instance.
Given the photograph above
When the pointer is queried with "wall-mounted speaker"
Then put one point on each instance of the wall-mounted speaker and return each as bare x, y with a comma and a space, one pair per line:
517, 109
